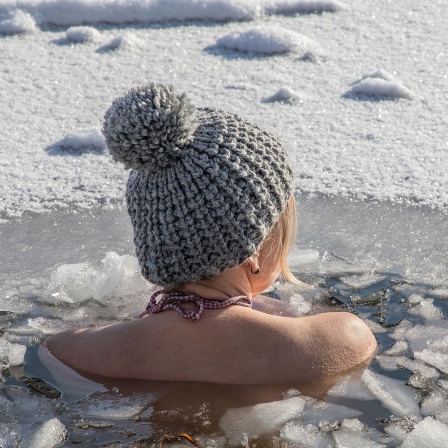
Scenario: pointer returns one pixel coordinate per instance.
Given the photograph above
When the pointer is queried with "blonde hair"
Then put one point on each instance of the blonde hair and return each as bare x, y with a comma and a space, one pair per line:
285, 233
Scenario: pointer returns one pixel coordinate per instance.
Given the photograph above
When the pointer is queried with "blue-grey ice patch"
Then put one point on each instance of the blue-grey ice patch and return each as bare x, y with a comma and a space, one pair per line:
306, 6
78, 142
380, 84
82, 34
268, 40
17, 22
263, 418
283, 95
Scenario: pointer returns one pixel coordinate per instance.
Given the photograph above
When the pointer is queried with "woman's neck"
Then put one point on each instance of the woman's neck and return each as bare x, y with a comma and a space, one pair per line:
233, 282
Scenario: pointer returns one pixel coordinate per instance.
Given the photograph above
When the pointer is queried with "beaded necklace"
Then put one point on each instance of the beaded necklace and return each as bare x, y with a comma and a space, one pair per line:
173, 300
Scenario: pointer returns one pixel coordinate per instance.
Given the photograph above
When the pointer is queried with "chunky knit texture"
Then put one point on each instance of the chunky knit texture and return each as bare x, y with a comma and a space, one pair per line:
206, 186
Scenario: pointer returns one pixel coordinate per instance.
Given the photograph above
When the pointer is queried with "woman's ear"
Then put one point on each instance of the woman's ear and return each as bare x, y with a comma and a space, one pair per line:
253, 263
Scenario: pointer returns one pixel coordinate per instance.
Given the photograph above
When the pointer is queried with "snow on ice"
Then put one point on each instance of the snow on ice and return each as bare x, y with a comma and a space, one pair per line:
267, 40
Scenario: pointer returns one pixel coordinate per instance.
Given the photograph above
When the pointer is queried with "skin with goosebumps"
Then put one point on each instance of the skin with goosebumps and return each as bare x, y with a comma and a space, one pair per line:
233, 345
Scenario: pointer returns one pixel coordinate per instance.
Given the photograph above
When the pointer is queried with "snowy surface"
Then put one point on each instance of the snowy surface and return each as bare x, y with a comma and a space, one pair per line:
354, 132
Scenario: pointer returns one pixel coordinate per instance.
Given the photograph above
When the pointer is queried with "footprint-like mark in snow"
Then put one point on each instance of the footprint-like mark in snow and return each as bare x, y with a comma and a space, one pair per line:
79, 142
268, 40
306, 7
381, 85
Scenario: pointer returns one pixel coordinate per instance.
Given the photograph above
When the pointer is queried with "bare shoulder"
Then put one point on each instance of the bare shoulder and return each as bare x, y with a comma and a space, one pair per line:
236, 345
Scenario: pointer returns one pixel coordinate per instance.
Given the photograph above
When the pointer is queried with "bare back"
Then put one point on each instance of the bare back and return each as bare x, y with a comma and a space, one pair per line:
235, 345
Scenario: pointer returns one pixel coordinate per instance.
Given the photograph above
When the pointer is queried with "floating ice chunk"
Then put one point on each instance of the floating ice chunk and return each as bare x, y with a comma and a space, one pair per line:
82, 34
75, 283
415, 299
305, 436
392, 396
9, 434
76, 315
16, 354
4, 350
415, 366
24, 404
259, 419
350, 387
16, 305
400, 330
306, 6
267, 40
439, 345
49, 435
286, 95
318, 411
387, 362
435, 359
301, 257
363, 280
83, 140
124, 42
37, 326
353, 424
419, 335
382, 85
112, 272
428, 433
17, 23
299, 305
395, 362
344, 439
426, 309
441, 293
398, 348
396, 431
436, 404
374, 326
109, 405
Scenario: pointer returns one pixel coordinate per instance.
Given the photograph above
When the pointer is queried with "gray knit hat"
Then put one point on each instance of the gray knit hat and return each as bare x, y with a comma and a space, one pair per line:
205, 188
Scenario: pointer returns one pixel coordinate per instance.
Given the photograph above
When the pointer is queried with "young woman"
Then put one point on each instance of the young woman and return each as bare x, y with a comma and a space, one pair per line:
210, 199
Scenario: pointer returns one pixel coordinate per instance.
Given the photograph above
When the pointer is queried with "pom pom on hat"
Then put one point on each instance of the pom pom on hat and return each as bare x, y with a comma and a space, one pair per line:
148, 128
